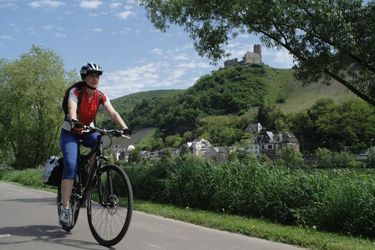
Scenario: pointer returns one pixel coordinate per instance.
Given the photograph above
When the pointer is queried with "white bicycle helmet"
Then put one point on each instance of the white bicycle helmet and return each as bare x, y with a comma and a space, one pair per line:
90, 68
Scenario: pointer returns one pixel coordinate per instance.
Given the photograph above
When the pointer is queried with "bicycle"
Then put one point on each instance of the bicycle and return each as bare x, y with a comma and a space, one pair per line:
105, 190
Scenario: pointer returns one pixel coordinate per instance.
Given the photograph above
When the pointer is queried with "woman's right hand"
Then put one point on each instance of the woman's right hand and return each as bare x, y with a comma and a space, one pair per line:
76, 126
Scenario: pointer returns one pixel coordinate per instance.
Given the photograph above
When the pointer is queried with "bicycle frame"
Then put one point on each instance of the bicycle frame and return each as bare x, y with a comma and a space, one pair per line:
92, 173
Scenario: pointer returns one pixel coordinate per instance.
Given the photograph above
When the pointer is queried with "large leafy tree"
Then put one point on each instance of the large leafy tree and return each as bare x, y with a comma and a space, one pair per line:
337, 127
329, 39
31, 90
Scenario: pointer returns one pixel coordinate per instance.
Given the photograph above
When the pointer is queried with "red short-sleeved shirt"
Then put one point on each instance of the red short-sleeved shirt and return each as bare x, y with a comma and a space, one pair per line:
88, 107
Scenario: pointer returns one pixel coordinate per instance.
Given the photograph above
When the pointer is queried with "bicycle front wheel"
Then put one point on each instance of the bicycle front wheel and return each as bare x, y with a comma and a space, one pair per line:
110, 205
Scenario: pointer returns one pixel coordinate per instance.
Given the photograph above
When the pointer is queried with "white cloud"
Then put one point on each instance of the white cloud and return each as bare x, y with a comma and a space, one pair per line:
130, 80
60, 35
244, 35
181, 57
98, 30
125, 30
6, 37
32, 30
115, 5
46, 4
157, 51
128, 7
133, 2
11, 4
187, 46
154, 30
57, 30
179, 54
90, 4
165, 74
279, 58
52, 27
125, 14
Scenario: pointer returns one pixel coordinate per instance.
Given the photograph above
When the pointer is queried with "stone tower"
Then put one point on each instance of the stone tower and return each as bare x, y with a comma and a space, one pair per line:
258, 50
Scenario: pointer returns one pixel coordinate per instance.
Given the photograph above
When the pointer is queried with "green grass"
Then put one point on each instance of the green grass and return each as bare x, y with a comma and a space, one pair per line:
147, 137
304, 97
139, 138
305, 237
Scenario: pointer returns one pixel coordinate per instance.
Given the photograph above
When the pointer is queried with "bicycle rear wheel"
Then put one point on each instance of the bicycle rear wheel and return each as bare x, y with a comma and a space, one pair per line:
110, 205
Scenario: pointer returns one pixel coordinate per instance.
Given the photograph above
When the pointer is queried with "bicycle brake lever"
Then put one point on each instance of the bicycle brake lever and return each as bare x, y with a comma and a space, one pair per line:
86, 129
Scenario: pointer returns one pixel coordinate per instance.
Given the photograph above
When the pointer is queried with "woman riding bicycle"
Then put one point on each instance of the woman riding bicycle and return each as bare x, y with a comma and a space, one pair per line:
82, 106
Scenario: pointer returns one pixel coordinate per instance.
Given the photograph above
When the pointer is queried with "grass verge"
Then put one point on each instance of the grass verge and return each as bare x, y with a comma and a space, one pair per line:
304, 237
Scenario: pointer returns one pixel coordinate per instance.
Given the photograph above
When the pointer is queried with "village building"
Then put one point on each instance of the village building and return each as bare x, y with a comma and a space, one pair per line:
121, 153
254, 128
203, 148
286, 139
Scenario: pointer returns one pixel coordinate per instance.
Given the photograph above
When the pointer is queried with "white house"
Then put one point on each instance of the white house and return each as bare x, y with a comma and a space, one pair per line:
203, 148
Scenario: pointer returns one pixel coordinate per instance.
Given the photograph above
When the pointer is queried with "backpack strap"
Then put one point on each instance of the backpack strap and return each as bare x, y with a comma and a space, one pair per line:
100, 99
77, 85
79, 88
100, 103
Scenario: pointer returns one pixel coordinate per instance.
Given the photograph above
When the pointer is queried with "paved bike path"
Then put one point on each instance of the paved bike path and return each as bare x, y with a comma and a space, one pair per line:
28, 220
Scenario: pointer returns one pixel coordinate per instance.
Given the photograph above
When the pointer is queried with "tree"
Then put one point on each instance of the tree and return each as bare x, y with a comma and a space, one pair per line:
329, 39
31, 91
179, 119
337, 127
173, 141
271, 117
135, 156
291, 157
220, 130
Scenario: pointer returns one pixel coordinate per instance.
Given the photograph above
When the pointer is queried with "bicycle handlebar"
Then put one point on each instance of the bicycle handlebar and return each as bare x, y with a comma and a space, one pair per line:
103, 131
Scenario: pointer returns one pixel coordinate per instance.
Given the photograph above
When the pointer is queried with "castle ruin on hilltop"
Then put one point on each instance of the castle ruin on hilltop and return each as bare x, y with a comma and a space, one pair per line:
249, 58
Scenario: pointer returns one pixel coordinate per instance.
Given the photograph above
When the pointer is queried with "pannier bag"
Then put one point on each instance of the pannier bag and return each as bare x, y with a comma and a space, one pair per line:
53, 170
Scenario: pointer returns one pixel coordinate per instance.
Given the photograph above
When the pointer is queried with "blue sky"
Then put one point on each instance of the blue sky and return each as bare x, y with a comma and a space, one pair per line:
117, 35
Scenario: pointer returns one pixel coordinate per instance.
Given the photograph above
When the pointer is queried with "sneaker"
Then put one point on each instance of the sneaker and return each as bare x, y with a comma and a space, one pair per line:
65, 216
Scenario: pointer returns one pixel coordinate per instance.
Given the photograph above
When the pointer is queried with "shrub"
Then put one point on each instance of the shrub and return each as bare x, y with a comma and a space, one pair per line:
325, 157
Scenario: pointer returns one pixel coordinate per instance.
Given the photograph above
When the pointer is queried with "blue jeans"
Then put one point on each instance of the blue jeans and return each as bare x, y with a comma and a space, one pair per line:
69, 144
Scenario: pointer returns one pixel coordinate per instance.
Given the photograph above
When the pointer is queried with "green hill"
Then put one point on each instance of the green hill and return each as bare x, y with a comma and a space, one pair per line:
126, 104
227, 91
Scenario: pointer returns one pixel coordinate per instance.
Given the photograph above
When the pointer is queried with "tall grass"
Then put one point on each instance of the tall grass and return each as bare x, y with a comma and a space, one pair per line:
29, 177
335, 201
